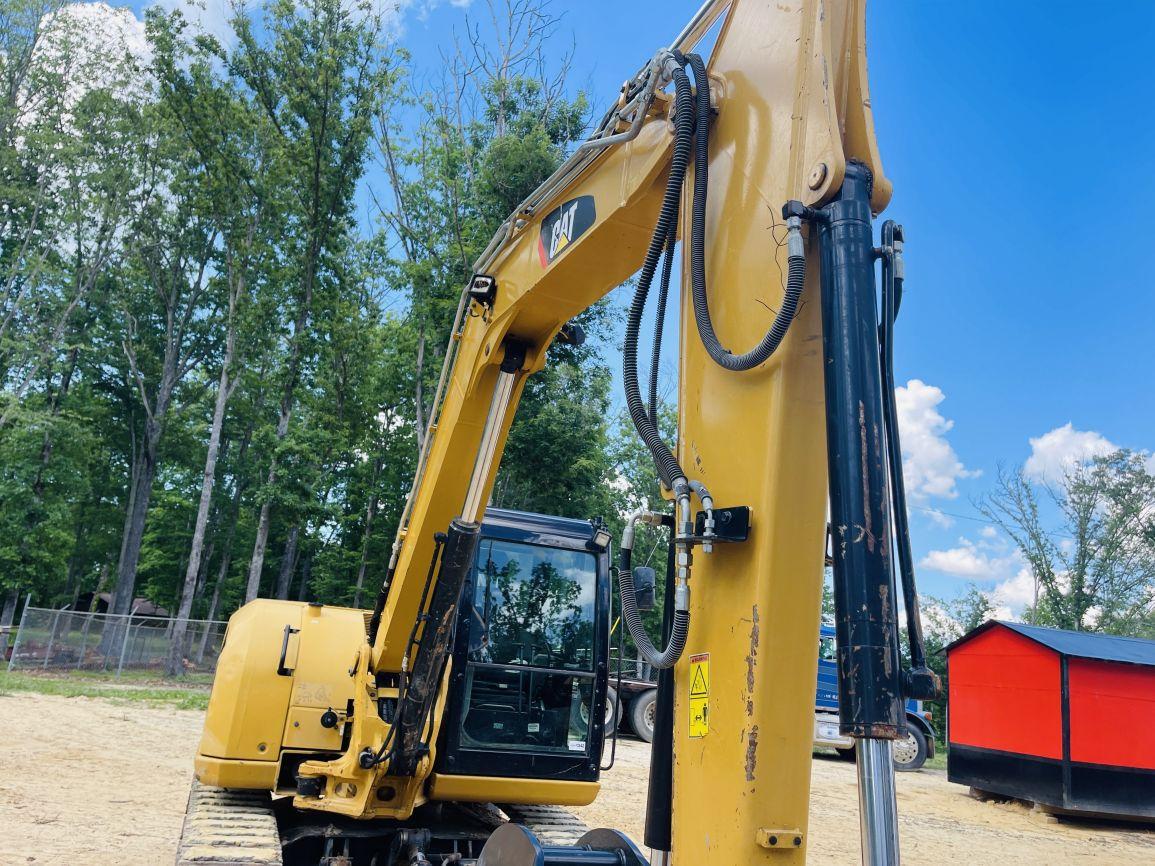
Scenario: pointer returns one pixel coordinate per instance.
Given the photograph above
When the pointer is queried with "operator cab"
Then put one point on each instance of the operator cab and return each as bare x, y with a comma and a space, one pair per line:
530, 653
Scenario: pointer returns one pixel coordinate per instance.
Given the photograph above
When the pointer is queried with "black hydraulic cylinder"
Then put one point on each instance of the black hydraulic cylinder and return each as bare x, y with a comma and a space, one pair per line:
433, 647
866, 619
660, 796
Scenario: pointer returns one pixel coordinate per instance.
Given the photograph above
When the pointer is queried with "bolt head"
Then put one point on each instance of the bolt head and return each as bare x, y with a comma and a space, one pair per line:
817, 176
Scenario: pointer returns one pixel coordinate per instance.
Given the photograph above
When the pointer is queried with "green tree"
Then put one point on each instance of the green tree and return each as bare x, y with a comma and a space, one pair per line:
944, 622
318, 71
1095, 569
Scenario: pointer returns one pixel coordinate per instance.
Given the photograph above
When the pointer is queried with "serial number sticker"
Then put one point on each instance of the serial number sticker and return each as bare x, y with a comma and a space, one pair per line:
533, 727
699, 697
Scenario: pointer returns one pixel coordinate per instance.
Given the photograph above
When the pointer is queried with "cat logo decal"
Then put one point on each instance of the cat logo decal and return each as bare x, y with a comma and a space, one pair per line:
563, 226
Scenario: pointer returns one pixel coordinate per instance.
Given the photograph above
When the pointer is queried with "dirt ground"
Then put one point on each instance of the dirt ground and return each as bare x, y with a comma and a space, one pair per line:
86, 781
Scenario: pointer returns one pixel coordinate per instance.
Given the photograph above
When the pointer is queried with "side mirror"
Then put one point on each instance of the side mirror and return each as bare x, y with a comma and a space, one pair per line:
645, 580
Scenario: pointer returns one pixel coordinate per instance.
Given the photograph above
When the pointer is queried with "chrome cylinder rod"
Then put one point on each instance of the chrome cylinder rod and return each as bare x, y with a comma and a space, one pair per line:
494, 422
877, 803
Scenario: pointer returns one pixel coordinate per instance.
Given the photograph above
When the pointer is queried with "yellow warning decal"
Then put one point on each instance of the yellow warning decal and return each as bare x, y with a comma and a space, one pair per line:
699, 695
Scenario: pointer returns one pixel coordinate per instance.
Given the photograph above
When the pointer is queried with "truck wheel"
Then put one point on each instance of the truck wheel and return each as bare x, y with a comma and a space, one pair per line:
910, 752
643, 711
613, 711
613, 706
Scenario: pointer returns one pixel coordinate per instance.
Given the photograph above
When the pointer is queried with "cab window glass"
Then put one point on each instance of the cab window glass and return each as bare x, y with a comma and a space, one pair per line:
518, 709
533, 606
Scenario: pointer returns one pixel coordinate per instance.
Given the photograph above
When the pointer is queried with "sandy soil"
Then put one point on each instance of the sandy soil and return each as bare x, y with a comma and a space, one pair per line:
85, 781
940, 822
91, 782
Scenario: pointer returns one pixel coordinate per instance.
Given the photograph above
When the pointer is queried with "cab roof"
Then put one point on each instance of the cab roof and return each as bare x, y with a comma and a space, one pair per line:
543, 525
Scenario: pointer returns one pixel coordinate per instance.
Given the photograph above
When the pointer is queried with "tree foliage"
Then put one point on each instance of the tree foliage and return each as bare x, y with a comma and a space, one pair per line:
216, 367
1093, 566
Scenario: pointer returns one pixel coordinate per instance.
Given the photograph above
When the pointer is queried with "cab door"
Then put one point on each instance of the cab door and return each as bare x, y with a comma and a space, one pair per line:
526, 672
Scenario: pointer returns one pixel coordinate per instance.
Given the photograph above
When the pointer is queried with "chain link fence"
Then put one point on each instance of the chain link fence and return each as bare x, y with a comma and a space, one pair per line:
61, 640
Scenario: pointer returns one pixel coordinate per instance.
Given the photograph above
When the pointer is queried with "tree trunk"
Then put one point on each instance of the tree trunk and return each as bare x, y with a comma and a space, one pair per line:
212, 613
134, 524
173, 666
361, 567
306, 573
300, 323
7, 617
288, 564
257, 563
419, 397
370, 513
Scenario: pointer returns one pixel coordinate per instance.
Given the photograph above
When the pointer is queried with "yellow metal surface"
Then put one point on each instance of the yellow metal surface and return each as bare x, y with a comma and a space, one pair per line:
304, 731
246, 712
758, 438
494, 789
254, 712
233, 773
793, 108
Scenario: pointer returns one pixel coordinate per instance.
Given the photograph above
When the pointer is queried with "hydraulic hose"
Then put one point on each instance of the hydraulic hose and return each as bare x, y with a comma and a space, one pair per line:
892, 279
796, 260
667, 464
679, 630
660, 319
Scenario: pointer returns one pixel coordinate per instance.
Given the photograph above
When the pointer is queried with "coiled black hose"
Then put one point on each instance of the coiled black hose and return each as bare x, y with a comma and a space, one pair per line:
667, 464
681, 627
796, 265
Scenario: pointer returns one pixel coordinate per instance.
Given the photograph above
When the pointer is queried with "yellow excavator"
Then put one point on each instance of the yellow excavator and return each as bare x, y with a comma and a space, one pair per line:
454, 722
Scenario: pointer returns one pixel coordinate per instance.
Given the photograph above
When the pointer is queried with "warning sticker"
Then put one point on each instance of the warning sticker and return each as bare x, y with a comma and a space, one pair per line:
699, 697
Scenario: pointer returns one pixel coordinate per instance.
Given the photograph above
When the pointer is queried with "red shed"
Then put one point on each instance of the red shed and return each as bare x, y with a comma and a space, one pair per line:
1062, 718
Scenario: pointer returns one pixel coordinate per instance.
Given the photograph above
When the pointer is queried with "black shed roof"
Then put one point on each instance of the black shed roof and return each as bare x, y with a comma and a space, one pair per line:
1080, 644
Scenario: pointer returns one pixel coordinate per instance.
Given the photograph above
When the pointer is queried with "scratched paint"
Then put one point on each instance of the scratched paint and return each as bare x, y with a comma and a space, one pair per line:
752, 657
751, 753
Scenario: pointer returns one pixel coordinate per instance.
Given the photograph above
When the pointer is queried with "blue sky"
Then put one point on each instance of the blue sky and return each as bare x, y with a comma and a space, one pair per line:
1017, 136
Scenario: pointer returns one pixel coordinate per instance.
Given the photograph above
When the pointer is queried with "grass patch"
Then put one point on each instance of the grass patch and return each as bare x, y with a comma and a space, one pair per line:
194, 696
133, 677
938, 762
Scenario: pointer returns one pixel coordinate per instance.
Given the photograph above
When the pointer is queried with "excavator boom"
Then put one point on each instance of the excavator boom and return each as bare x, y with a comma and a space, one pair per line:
762, 161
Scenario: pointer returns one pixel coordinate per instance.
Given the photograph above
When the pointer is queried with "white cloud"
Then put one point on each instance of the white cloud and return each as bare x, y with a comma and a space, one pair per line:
209, 16
983, 561
939, 518
88, 46
94, 45
1013, 594
1055, 453
991, 562
930, 465
214, 16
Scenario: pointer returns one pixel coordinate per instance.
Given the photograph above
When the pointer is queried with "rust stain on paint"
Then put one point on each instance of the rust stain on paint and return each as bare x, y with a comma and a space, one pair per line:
751, 753
752, 658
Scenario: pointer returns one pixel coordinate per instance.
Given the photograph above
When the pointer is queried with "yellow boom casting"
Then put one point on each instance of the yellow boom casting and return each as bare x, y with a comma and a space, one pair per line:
346, 711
